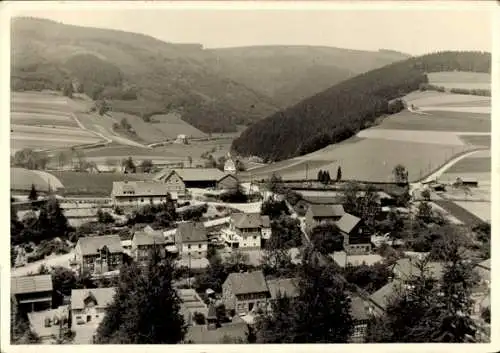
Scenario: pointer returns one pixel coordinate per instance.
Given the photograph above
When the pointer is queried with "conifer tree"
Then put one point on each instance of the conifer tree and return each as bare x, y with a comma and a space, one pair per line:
33, 196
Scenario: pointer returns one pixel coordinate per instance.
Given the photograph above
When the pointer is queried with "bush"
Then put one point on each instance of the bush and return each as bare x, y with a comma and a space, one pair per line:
199, 318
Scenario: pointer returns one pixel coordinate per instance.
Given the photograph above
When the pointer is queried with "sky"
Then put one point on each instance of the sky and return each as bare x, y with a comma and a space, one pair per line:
410, 29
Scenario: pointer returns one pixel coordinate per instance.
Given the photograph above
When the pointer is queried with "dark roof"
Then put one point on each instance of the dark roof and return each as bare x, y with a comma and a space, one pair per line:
30, 284
191, 232
323, 200
347, 222
386, 293
102, 296
359, 309
91, 245
146, 238
191, 174
327, 210
407, 267
139, 188
247, 220
247, 282
285, 286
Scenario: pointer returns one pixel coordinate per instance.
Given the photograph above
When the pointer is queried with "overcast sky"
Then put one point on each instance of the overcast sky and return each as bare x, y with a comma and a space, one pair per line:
414, 31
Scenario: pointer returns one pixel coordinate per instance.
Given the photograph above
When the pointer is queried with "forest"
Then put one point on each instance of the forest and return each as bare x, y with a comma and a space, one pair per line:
348, 107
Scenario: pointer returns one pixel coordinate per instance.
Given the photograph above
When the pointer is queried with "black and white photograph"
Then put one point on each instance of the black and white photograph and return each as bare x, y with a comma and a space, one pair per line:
248, 172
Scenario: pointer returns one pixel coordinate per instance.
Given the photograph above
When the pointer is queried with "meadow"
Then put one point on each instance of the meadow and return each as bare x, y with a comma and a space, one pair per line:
460, 79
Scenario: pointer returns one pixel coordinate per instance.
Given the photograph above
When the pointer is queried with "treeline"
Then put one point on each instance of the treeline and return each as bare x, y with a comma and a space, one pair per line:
344, 109
470, 91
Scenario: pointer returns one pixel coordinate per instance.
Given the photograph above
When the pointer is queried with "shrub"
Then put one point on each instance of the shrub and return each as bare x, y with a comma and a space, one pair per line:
199, 318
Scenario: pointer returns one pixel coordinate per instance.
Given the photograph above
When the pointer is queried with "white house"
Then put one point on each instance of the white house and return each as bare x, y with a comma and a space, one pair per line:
191, 240
230, 165
246, 230
139, 193
88, 306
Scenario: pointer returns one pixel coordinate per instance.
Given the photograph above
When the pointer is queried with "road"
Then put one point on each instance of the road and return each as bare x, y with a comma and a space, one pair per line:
53, 261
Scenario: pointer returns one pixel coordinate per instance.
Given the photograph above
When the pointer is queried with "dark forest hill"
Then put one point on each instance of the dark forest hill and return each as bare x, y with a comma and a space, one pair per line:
214, 90
289, 74
139, 73
342, 110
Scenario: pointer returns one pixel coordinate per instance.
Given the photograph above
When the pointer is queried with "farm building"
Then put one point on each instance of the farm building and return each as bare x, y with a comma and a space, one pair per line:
184, 178
31, 293
320, 214
181, 139
139, 193
21, 181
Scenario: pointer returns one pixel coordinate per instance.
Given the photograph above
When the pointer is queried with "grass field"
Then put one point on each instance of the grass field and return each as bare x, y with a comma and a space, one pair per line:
471, 165
437, 121
460, 79
481, 210
459, 212
32, 118
430, 98
477, 140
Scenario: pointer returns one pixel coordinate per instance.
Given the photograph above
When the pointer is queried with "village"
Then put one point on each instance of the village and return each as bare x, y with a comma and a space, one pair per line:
219, 218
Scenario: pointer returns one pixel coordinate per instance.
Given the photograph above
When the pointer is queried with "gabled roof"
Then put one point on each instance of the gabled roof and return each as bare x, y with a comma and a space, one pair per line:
102, 296
384, 295
139, 188
326, 210
347, 222
285, 287
91, 245
147, 238
191, 174
407, 267
247, 220
191, 232
247, 282
30, 284
323, 200
359, 310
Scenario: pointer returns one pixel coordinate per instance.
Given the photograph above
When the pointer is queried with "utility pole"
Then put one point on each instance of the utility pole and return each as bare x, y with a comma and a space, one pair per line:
307, 171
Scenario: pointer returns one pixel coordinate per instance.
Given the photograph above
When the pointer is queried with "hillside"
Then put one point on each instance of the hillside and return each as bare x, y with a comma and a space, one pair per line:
289, 74
213, 89
342, 110
124, 66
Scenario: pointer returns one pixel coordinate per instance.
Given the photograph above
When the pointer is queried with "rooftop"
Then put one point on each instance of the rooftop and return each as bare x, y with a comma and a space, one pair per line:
384, 295
247, 282
139, 188
30, 284
327, 210
248, 220
341, 258
102, 297
347, 222
191, 232
203, 335
92, 245
147, 238
407, 267
38, 319
191, 174
359, 309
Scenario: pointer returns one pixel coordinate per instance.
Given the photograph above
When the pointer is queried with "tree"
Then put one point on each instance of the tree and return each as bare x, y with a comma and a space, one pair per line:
274, 209
276, 325
63, 158
425, 212
339, 174
190, 161
33, 196
400, 174
104, 217
327, 238
350, 197
368, 206
275, 184
129, 165
68, 89
286, 233
147, 165
426, 194
80, 88
145, 308
321, 176
368, 277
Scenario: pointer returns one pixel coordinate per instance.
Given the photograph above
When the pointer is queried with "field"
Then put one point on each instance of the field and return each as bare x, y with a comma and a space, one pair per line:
457, 79
421, 142
459, 212
43, 121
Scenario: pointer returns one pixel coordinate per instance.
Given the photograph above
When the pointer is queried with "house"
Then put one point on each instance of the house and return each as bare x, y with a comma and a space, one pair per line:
360, 316
50, 324
140, 193
356, 241
143, 243
245, 292
31, 293
228, 182
88, 306
182, 178
307, 200
99, 254
181, 139
229, 165
246, 230
282, 287
321, 214
192, 240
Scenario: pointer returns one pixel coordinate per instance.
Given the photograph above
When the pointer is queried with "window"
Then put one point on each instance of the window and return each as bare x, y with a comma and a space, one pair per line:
142, 200
255, 237
199, 246
199, 253
189, 246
